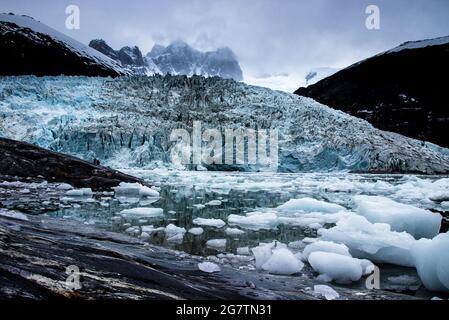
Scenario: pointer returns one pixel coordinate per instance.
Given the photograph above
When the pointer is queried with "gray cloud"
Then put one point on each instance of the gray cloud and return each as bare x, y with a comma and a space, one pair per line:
268, 36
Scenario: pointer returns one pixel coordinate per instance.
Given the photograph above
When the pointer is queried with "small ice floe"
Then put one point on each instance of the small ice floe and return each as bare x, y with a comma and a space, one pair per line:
215, 223
64, 186
263, 252
150, 229
336, 267
13, 214
283, 262
208, 267
25, 191
243, 251
432, 262
296, 245
174, 233
84, 192
321, 290
418, 222
325, 246
133, 231
199, 206
234, 232
214, 203
310, 205
196, 231
137, 213
218, 244
135, 190
255, 220
375, 242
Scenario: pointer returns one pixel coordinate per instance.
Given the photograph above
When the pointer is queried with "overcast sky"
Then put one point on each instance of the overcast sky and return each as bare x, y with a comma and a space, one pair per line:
268, 36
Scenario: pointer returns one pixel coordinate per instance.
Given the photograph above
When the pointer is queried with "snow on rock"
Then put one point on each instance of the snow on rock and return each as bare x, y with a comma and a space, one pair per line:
375, 242
310, 205
84, 192
135, 190
321, 290
215, 223
255, 220
401, 217
209, 267
196, 231
142, 213
283, 262
325, 246
431, 260
337, 267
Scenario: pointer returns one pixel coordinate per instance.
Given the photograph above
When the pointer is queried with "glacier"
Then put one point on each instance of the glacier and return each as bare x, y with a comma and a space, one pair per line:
126, 123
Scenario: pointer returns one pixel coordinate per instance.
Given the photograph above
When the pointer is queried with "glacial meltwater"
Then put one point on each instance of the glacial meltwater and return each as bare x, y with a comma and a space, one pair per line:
224, 215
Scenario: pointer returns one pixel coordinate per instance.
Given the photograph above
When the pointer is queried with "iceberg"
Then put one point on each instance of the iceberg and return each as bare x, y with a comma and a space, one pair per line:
418, 222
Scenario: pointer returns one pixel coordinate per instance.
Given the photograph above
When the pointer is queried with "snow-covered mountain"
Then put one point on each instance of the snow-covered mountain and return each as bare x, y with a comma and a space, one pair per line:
30, 47
130, 58
397, 90
178, 58
127, 121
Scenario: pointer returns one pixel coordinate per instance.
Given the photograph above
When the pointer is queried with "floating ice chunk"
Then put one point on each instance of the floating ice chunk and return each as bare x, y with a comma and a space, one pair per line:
84, 192
151, 229
199, 206
263, 252
310, 205
214, 203
142, 213
13, 214
219, 244
339, 268
64, 186
196, 231
144, 236
174, 233
325, 291
432, 262
296, 245
283, 262
234, 232
135, 190
255, 220
375, 242
216, 223
209, 267
418, 222
325, 246
243, 251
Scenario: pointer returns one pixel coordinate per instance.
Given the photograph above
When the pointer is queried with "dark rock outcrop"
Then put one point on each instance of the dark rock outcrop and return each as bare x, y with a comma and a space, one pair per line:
26, 160
402, 90
25, 51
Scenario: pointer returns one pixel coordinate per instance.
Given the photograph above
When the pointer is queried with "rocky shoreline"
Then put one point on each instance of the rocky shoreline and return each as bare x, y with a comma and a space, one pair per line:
25, 160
